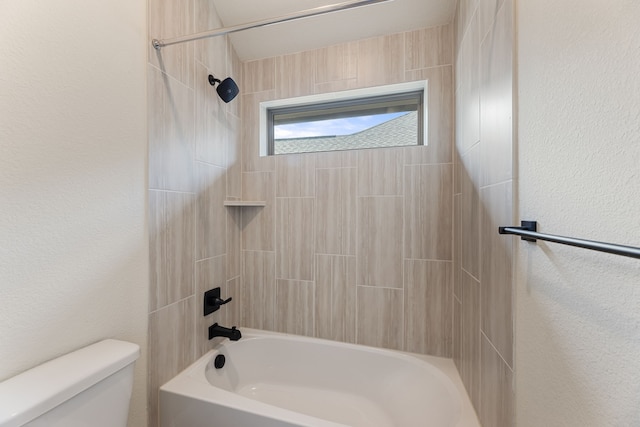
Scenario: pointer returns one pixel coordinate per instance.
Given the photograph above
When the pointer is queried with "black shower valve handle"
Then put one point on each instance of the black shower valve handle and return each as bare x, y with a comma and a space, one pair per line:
220, 301
217, 301
213, 302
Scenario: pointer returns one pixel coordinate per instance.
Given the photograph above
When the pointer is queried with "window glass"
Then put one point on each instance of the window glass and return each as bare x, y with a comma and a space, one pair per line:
389, 120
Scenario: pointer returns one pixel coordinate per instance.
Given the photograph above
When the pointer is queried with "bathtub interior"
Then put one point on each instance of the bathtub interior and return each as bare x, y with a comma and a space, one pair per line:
349, 385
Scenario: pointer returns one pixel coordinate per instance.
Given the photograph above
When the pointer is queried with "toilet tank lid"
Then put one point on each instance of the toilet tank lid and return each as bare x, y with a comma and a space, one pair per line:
38, 390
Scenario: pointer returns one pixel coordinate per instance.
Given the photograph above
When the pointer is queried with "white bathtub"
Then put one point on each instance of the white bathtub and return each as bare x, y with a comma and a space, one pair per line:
278, 380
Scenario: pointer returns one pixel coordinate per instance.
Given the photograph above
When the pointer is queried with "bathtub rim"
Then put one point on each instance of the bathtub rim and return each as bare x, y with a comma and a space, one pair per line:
194, 376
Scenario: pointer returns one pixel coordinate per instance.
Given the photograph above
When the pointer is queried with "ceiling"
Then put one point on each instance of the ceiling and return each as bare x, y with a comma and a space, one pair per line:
324, 30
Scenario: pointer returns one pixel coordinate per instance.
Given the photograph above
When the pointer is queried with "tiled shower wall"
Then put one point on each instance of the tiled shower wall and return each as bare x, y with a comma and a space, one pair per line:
484, 199
194, 164
353, 246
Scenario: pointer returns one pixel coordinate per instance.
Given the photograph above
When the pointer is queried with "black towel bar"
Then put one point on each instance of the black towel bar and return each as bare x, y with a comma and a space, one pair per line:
528, 231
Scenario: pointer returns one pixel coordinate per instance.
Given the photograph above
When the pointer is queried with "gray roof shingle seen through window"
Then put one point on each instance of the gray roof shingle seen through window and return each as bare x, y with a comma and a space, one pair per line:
398, 132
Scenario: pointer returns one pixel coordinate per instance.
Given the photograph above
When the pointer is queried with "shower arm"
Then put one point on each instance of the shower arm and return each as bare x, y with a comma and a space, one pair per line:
158, 44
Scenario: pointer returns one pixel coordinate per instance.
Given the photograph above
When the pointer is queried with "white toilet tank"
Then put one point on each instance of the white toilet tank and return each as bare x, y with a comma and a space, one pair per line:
90, 387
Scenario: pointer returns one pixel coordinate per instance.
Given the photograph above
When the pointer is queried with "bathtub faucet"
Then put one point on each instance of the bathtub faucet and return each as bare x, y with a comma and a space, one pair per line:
216, 330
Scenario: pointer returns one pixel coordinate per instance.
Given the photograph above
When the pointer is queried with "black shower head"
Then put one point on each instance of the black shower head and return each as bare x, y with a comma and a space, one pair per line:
227, 89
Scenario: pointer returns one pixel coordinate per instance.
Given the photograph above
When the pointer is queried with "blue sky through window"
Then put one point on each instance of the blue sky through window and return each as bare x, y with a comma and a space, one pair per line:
346, 126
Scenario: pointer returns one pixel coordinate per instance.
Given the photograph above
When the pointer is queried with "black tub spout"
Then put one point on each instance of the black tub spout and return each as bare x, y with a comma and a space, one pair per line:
216, 330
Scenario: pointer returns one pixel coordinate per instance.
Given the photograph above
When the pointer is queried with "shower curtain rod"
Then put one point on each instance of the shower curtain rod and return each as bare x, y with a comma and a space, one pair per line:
158, 44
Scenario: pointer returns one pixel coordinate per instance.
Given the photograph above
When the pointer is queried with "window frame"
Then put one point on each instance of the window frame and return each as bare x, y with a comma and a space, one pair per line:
344, 98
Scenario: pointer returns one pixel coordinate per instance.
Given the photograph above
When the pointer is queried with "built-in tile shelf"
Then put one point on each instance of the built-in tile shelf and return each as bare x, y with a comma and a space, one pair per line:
247, 203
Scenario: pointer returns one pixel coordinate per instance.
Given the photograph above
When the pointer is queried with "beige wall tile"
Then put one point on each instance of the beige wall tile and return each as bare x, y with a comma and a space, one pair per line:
468, 99
380, 227
457, 247
427, 307
171, 347
457, 168
236, 72
212, 51
337, 86
456, 349
295, 74
337, 62
380, 172
212, 127
335, 223
295, 175
250, 133
487, 11
439, 142
194, 148
497, 269
259, 76
168, 19
496, 103
259, 289
484, 99
456, 27
466, 10
428, 212
429, 47
380, 317
234, 242
381, 60
211, 215
323, 304
295, 241
234, 157
234, 309
171, 247
171, 133
233, 137
470, 211
461, 60
335, 298
258, 223
337, 159
294, 307
497, 407
470, 345
210, 273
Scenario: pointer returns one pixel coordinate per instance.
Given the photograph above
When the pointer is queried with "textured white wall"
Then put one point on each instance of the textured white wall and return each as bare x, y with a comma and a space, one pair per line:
73, 245
578, 312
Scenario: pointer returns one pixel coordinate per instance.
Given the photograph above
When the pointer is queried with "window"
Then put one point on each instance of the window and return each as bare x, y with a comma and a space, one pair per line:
388, 116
